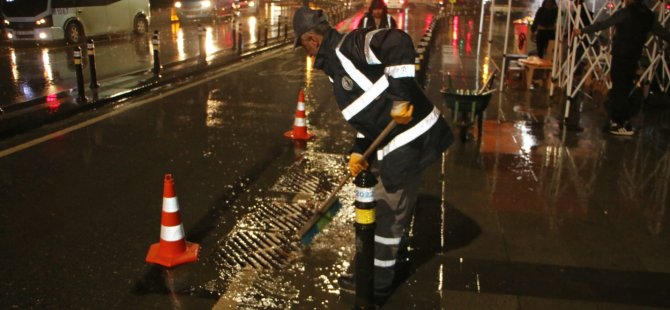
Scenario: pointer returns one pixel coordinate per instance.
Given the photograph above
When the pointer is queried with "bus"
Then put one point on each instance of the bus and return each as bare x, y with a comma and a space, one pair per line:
73, 20
395, 4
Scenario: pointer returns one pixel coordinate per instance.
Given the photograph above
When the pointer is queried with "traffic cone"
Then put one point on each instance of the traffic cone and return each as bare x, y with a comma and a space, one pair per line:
173, 249
299, 131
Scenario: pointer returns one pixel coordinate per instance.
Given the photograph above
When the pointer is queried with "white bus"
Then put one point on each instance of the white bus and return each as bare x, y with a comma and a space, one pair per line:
73, 20
395, 4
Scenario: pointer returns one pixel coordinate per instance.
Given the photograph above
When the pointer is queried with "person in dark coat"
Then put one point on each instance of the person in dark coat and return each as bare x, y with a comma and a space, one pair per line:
377, 17
633, 24
543, 28
373, 79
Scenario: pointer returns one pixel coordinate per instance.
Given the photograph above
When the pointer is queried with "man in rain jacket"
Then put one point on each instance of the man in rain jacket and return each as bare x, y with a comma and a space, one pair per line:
377, 17
370, 69
633, 25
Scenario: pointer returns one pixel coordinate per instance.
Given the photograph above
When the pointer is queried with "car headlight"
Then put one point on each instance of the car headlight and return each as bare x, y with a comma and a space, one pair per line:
10, 35
252, 4
42, 35
6, 22
41, 21
177, 4
205, 4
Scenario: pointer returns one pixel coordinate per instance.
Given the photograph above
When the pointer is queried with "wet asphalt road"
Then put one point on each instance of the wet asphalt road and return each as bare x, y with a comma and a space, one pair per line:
28, 71
531, 217
80, 210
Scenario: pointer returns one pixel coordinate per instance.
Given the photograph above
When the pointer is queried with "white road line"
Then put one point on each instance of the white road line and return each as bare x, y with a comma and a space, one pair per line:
140, 103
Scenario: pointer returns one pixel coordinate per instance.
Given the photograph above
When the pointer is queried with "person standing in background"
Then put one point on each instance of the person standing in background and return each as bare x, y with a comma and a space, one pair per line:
543, 28
377, 17
633, 24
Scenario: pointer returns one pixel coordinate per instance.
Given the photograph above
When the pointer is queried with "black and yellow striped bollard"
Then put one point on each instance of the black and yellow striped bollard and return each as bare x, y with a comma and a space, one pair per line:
155, 41
90, 50
365, 240
79, 70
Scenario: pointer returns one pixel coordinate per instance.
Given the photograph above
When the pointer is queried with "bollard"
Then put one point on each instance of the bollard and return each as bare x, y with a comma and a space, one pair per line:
234, 35
365, 240
450, 84
286, 28
265, 36
239, 42
90, 49
157, 61
278, 26
202, 52
81, 95
419, 73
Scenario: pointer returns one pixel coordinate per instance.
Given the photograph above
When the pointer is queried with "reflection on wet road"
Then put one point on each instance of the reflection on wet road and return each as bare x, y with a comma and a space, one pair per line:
529, 217
27, 72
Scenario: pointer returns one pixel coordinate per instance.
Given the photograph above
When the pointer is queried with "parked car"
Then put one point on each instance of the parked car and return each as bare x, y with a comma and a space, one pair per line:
426, 3
395, 4
245, 6
203, 9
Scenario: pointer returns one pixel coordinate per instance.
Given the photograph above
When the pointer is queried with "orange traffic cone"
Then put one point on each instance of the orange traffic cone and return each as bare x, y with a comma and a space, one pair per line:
299, 131
172, 250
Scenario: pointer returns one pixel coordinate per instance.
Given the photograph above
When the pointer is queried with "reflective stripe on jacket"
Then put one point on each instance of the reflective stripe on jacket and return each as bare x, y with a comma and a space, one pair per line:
370, 69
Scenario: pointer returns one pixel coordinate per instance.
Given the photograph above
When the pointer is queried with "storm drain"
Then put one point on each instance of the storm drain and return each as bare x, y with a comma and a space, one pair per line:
266, 236
316, 174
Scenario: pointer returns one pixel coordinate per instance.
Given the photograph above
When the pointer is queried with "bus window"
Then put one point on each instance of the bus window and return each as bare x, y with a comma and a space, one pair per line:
23, 8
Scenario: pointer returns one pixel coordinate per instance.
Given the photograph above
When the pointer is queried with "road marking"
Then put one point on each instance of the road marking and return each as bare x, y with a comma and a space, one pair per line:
237, 66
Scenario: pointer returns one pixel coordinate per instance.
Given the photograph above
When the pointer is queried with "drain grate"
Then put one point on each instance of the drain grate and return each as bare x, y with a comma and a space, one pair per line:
264, 238
315, 174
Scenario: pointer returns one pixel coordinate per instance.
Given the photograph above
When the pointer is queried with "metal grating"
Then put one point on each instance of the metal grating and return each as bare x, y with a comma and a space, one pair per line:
314, 174
265, 237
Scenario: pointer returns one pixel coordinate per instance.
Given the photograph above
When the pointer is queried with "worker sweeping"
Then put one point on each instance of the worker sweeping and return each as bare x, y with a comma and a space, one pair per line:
372, 74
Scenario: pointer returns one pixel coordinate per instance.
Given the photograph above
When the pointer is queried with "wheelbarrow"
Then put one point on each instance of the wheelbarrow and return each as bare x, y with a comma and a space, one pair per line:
470, 108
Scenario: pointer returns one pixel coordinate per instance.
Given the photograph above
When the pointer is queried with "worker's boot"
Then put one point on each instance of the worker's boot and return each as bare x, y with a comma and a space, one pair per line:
347, 282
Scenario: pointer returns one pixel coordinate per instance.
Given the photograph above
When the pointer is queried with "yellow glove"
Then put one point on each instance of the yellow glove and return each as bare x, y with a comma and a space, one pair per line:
402, 112
357, 164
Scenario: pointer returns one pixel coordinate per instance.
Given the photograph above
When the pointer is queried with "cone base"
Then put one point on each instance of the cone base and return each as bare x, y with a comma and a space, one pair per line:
298, 136
190, 255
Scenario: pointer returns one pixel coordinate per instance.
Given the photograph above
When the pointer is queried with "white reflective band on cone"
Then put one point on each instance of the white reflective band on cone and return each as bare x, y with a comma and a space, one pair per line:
400, 71
170, 204
384, 263
387, 241
299, 121
364, 194
366, 98
409, 135
301, 106
172, 233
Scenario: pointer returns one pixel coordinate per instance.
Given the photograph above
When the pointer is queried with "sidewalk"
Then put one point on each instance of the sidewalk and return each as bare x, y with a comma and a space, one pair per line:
536, 217
529, 217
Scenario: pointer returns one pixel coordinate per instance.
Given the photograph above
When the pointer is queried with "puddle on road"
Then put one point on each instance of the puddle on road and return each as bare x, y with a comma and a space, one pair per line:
262, 264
